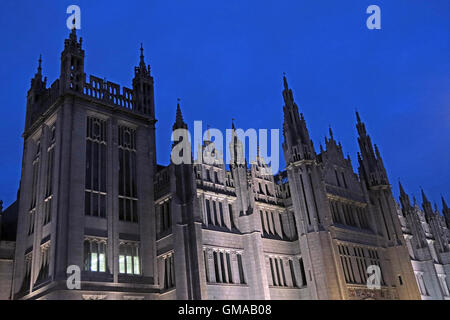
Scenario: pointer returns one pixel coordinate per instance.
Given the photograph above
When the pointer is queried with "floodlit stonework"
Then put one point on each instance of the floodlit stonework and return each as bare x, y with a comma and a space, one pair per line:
92, 195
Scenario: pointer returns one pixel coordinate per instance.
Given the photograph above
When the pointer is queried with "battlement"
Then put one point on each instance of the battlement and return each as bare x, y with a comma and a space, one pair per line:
109, 92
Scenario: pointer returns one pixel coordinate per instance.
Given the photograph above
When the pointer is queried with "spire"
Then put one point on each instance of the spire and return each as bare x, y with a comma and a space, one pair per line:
444, 204
286, 87
287, 93
331, 132
360, 125
404, 199
424, 197
39, 70
142, 61
179, 122
402, 191
142, 69
358, 119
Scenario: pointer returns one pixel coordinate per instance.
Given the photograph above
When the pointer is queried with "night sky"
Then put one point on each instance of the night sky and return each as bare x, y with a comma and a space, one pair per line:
225, 59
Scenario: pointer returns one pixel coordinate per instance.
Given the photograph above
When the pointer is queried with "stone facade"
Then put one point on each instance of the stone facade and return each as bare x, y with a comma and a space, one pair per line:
93, 196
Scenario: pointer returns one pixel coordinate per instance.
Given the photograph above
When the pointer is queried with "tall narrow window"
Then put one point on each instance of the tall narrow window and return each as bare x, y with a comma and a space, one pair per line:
240, 268
34, 187
27, 272
272, 271
283, 275
222, 220
343, 180
129, 261
230, 274
95, 254
169, 280
302, 272
337, 178
230, 210
205, 256
45, 262
222, 267
127, 175
216, 218
208, 212
216, 267
263, 227
49, 182
95, 184
291, 269
281, 225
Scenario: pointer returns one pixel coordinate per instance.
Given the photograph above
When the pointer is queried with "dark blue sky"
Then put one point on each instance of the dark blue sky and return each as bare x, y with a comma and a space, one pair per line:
226, 58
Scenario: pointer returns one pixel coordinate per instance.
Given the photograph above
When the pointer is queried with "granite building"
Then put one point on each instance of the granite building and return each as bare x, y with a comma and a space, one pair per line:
92, 195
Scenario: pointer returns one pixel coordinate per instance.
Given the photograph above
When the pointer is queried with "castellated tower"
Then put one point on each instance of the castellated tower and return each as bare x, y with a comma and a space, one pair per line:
86, 193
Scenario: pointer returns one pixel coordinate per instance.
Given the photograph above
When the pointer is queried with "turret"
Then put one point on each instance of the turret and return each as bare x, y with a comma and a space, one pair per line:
427, 207
297, 144
72, 75
35, 95
371, 164
143, 88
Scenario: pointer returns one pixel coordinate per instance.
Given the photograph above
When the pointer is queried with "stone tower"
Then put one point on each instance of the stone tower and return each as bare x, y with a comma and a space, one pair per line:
309, 201
83, 204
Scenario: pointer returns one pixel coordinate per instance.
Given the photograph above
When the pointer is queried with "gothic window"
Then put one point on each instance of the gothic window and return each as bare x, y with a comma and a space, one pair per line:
27, 271
95, 254
95, 184
127, 175
302, 271
278, 273
216, 218
45, 262
129, 258
216, 178
169, 272
165, 216
224, 266
273, 221
337, 178
230, 273
31, 221
267, 190
205, 257
346, 262
421, 283
281, 225
263, 227
272, 272
49, 175
230, 210
443, 282
269, 225
343, 180
34, 189
222, 221
291, 269
208, 212
240, 268
216, 267
283, 275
